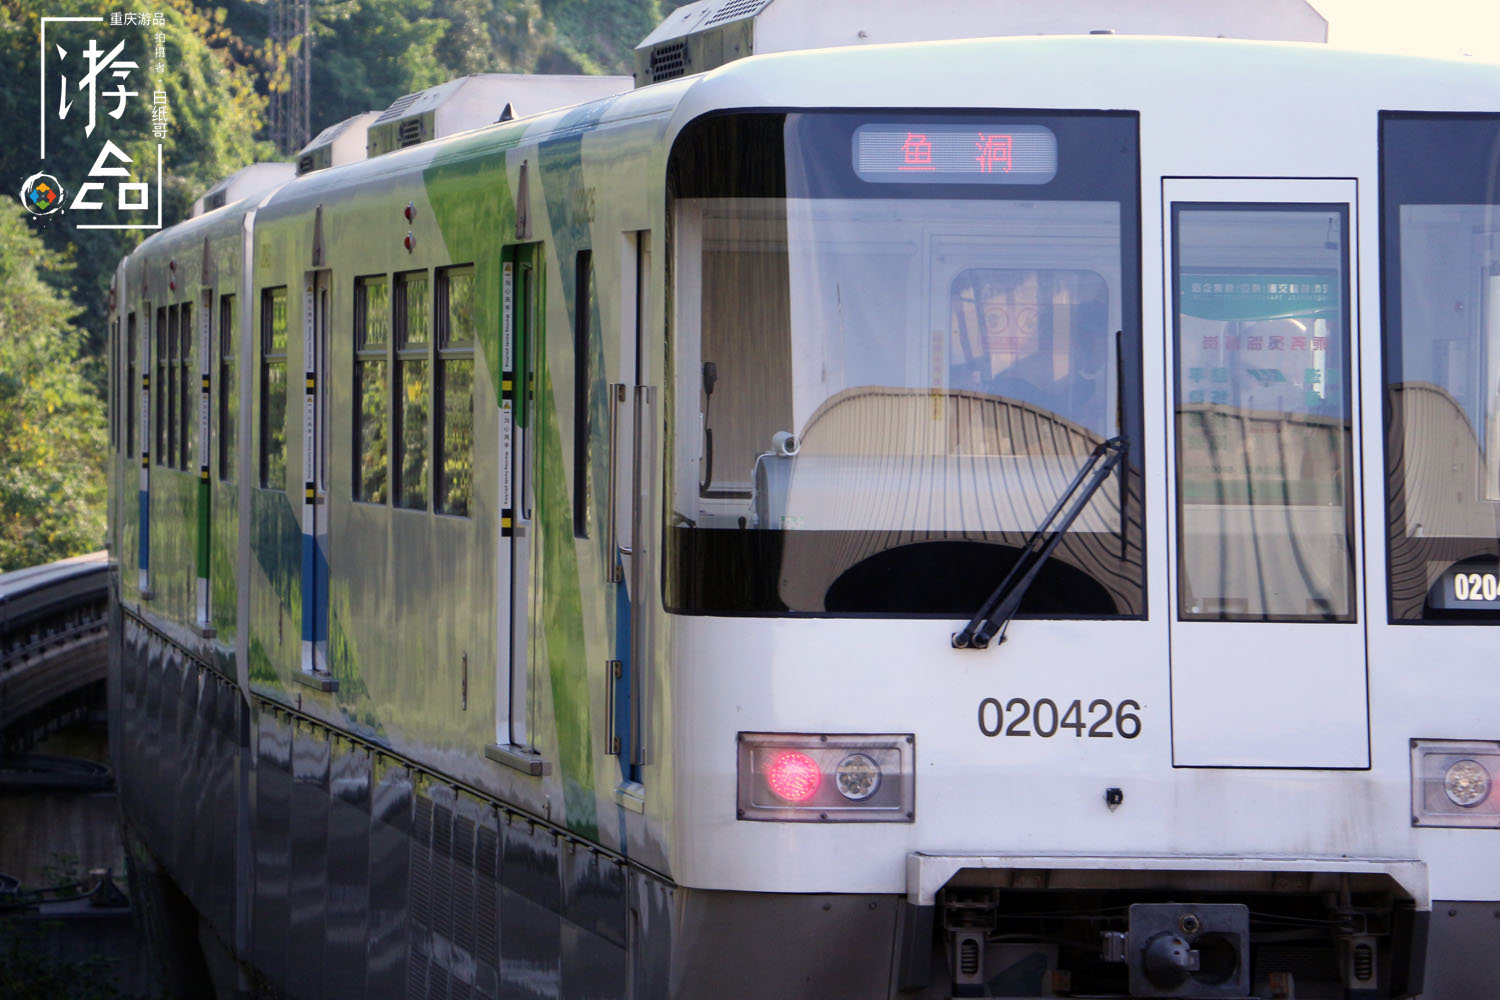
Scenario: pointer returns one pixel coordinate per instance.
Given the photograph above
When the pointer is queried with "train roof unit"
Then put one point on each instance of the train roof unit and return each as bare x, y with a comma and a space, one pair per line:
255, 179
709, 33
472, 102
338, 144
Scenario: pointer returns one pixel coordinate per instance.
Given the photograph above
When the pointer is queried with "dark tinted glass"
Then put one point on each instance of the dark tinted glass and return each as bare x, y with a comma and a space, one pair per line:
1440, 235
884, 385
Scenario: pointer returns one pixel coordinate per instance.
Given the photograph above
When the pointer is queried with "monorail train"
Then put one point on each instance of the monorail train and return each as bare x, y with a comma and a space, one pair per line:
545, 551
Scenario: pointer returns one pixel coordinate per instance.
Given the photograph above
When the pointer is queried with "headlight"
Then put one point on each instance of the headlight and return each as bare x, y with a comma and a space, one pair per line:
1466, 783
858, 777
1451, 781
826, 777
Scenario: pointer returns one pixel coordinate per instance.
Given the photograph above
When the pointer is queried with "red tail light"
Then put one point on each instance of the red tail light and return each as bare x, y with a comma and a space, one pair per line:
794, 776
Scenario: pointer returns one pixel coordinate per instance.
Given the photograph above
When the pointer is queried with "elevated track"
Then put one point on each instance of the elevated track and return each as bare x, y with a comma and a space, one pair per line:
53, 651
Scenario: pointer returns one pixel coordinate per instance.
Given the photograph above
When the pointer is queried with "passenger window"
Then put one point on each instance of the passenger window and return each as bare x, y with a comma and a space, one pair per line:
583, 268
187, 424
1265, 516
273, 342
132, 387
1441, 240
228, 391
372, 329
159, 415
454, 409
411, 388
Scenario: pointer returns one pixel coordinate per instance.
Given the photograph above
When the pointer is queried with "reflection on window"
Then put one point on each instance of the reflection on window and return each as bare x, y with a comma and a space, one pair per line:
454, 412
229, 324
583, 266
1035, 337
132, 388
187, 414
159, 414
853, 375
273, 338
412, 391
372, 324
1441, 238
1265, 514
832, 396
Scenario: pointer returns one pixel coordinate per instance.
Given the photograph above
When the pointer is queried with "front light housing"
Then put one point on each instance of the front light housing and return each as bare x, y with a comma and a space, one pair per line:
826, 777
1453, 782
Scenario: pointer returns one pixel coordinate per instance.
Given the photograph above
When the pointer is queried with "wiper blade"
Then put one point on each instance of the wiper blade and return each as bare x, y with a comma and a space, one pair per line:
1001, 606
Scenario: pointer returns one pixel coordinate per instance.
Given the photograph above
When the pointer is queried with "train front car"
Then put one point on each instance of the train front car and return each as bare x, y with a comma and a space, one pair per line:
1033, 411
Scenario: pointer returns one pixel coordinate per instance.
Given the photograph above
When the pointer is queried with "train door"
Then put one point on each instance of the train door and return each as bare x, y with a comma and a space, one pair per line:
630, 404
521, 352
315, 323
1268, 658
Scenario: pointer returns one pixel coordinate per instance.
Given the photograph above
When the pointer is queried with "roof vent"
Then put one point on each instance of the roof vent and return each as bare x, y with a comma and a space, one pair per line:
733, 9
700, 36
246, 182
336, 145
475, 101
409, 131
668, 60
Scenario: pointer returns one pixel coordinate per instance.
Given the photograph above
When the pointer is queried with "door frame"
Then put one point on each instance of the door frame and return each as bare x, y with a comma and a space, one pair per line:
1270, 710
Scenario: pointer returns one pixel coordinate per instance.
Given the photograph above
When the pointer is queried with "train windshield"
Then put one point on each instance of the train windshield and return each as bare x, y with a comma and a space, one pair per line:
896, 339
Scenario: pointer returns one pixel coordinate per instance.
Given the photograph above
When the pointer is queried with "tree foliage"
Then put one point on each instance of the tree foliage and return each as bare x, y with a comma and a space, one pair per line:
214, 115
52, 438
367, 53
222, 68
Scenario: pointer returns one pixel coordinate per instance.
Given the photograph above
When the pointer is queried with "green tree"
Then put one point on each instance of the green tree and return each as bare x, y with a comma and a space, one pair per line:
213, 117
52, 434
367, 53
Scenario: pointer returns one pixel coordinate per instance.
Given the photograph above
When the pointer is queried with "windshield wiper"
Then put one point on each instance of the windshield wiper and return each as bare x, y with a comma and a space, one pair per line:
1001, 606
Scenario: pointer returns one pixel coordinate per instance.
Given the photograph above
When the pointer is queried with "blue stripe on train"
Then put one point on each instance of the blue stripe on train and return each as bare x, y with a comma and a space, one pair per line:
309, 613
314, 582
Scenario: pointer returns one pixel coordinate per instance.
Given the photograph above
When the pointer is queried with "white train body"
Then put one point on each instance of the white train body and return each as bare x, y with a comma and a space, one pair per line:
1236, 692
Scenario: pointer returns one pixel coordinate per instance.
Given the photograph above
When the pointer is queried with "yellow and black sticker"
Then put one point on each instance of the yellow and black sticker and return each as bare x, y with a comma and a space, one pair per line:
507, 523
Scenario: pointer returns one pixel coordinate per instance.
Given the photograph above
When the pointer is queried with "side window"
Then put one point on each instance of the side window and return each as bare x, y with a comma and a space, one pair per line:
1440, 236
582, 322
453, 435
411, 388
372, 339
273, 328
229, 321
187, 422
114, 388
159, 415
132, 387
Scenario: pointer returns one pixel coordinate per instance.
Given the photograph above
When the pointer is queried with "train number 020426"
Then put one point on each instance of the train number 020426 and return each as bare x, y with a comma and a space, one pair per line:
1019, 717
1475, 587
